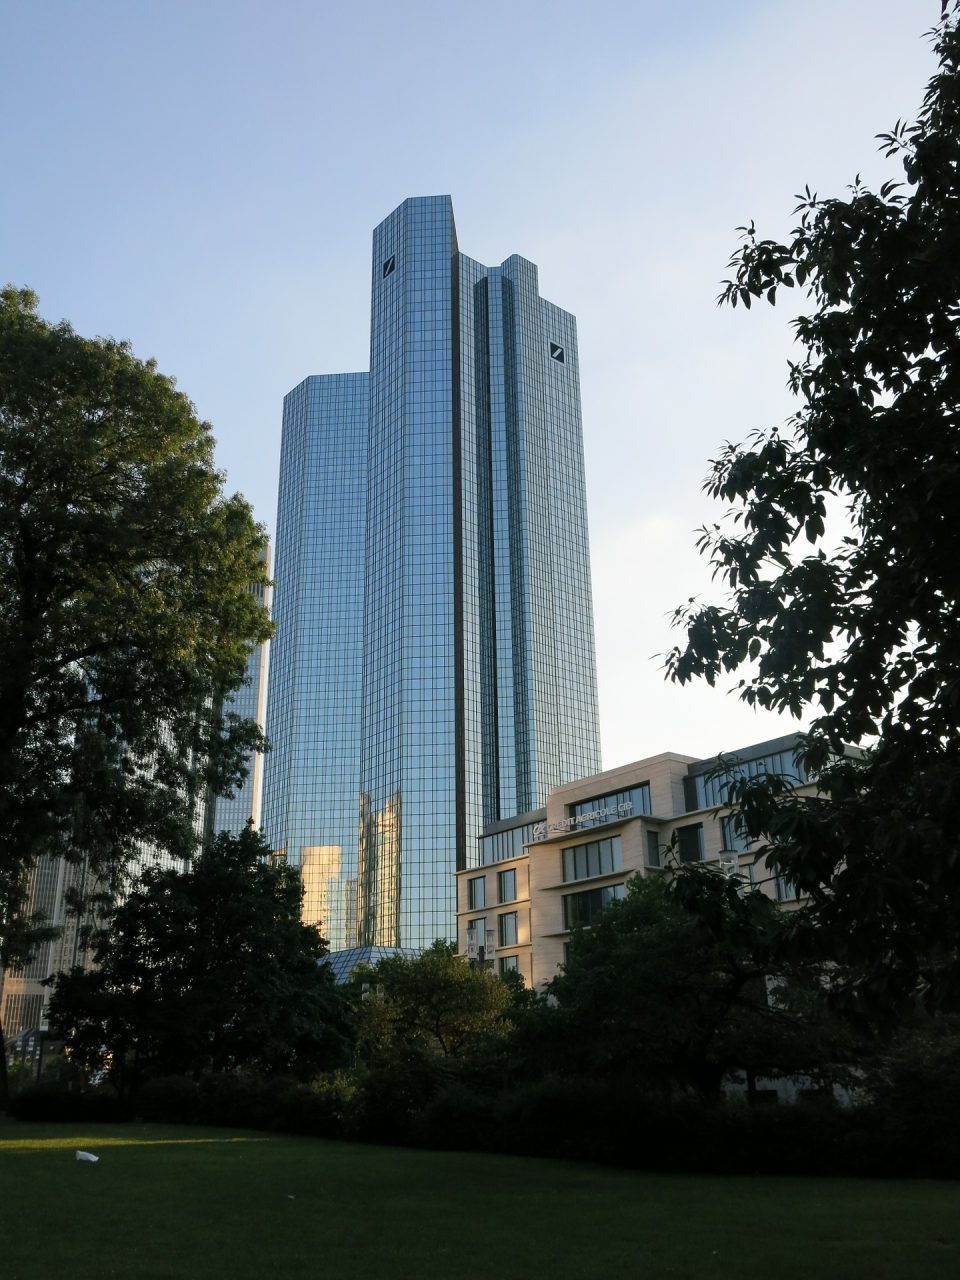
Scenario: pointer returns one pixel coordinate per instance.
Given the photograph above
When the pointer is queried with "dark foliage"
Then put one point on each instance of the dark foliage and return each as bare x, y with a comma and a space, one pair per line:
858, 616
124, 575
207, 970
669, 989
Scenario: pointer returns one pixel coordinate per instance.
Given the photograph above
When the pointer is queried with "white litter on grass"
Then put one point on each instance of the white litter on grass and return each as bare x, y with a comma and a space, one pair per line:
88, 1156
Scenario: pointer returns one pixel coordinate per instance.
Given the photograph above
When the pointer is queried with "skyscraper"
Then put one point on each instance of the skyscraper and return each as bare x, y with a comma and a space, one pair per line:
248, 702
433, 669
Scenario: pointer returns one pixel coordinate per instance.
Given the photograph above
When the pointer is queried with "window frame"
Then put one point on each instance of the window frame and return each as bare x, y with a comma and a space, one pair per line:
502, 918
501, 875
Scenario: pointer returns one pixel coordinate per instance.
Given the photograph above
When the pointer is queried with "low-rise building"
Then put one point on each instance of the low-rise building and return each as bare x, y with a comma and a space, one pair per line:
545, 873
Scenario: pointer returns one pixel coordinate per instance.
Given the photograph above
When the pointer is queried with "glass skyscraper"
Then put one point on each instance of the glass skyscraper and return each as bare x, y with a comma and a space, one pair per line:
248, 702
433, 667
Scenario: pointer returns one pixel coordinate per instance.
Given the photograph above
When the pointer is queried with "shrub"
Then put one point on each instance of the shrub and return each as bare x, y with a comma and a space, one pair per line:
168, 1100
49, 1104
327, 1108
456, 1118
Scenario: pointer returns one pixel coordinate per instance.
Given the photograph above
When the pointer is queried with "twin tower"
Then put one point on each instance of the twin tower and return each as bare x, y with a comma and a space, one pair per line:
433, 669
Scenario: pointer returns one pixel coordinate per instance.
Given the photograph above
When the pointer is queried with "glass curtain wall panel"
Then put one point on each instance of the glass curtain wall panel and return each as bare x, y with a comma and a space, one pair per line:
452, 515
311, 792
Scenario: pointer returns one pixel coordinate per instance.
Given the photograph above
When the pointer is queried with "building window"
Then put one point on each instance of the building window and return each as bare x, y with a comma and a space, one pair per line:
598, 858
507, 929
500, 845
786, 890
653, 848
476, 893
583, 908
508, 964
711, 789
390, 266
556, 353
735, 837
690, 842
507, 886
613, 807
480, 944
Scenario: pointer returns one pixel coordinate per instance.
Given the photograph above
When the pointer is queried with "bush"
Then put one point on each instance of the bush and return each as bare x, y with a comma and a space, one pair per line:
168, 1100
456, 1118
392, 1096
327, 1108
237, 1100
49, 1104
916, 1092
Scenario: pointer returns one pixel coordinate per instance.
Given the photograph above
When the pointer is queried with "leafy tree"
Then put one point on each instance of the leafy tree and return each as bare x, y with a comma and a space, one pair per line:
856, 614
127, 617
421, 1024
433, 1004
205, 970
668, 989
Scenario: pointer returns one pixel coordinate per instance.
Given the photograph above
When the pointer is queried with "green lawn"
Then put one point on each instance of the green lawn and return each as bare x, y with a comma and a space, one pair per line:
173, 1202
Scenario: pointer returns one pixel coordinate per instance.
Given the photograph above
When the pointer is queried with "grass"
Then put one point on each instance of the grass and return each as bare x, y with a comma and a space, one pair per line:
165, 1203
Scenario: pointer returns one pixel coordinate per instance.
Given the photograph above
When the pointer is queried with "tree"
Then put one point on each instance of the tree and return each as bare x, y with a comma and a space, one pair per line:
857, 616
433, 1004
422, 1025
668, 990
209, 969
127, 615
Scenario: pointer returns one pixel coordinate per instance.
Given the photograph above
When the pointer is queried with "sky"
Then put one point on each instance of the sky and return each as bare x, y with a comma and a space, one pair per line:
202, 178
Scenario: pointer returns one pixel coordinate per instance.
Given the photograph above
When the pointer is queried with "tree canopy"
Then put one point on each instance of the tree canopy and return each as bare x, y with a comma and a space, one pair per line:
668, 989
209, 969
125, 575
842, 559
434, 1004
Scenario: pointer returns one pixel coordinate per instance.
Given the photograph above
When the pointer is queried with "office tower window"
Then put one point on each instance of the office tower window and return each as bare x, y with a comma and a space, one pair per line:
476, 892
508, 964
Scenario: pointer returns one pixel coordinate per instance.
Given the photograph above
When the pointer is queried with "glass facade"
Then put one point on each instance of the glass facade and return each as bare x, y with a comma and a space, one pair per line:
232, 813
711, 788
311, 806
497, 846
458, 631
612, 807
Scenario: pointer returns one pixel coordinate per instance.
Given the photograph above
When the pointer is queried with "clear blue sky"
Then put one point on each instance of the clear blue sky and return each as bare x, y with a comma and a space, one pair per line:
202, 178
